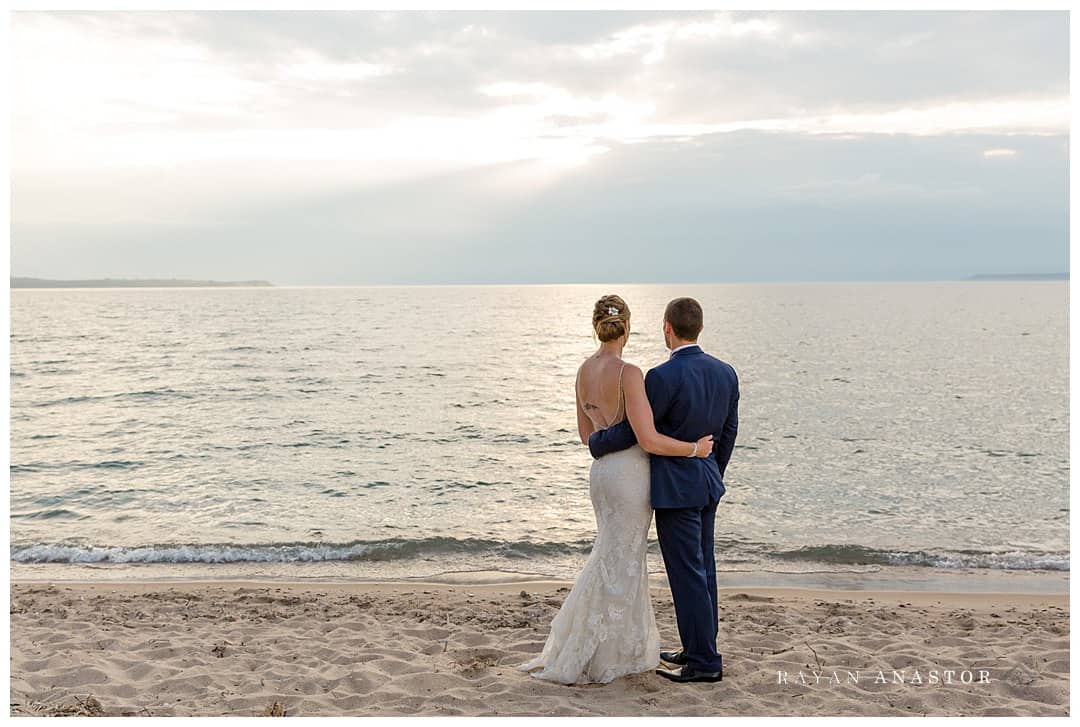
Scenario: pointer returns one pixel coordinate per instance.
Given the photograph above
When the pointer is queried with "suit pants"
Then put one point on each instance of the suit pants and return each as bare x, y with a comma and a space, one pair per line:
686, 542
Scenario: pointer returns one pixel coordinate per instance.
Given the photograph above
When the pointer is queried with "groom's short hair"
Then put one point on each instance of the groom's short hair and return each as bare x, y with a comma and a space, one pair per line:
684, 315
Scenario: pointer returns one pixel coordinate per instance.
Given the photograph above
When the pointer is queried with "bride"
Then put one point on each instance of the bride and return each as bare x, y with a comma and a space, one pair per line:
606, 628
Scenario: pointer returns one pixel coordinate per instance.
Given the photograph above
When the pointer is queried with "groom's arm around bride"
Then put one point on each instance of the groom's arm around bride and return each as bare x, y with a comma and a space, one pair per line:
721, 405
724, 408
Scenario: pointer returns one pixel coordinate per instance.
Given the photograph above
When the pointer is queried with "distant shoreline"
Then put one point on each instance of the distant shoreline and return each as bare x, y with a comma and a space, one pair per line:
1021, 276
135, 283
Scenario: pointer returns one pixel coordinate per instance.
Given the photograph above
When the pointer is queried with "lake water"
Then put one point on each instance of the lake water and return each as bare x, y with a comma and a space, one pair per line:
393, 432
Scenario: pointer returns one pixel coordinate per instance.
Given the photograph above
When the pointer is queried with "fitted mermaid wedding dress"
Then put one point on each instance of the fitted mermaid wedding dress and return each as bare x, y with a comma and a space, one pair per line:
606, 627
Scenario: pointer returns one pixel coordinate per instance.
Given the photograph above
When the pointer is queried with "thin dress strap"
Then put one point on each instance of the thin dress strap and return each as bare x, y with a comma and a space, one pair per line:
619, 406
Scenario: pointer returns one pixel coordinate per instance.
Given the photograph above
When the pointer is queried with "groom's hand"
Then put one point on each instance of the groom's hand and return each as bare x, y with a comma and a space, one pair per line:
594, 442
613, 439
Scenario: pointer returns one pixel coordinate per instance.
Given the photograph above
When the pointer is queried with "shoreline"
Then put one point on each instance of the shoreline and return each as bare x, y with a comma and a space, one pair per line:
956, 598
913, 579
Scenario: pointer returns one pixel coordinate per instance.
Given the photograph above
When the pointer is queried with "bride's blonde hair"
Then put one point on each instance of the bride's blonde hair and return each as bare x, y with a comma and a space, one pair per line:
610, 318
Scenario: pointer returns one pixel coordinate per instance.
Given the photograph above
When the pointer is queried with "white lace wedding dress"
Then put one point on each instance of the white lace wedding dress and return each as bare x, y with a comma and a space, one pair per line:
606, 627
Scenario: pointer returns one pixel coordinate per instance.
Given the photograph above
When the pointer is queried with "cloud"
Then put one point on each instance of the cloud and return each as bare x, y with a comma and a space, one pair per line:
310, 66
148, 128
650, 41
86, 76
743, 206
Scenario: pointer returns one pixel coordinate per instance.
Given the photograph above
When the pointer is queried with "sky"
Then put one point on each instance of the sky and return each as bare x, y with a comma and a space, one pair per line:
357, 147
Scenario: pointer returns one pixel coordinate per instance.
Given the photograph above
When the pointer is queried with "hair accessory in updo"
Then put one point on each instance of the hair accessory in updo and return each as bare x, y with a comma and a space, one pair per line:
611, 317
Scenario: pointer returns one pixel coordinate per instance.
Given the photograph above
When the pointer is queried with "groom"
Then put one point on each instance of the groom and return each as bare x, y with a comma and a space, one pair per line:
692, 394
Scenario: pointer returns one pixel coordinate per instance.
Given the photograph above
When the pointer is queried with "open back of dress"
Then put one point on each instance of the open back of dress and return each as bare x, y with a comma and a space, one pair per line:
594, 411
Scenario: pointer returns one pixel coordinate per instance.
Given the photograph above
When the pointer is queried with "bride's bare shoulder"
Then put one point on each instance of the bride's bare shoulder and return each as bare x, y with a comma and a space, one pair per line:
630, 370
585, 372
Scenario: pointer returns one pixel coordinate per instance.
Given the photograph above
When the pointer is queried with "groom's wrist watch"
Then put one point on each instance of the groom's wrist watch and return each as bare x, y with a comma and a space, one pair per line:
693, 452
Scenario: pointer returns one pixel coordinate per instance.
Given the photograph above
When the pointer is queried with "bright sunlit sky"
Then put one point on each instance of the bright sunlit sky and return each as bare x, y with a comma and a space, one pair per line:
358, 147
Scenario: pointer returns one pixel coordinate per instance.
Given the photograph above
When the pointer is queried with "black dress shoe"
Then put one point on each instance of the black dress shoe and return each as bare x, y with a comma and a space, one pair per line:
674, 657
686, 674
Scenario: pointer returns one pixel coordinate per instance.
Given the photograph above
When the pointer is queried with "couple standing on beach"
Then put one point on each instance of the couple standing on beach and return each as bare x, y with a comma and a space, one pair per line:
652, 437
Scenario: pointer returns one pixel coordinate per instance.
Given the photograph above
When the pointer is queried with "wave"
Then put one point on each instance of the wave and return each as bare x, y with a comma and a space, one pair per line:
45, 466
139, 395
398, 549
360, 550
860, 555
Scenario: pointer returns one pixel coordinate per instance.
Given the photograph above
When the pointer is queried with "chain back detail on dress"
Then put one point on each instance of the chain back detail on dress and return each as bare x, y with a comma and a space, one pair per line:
621, 406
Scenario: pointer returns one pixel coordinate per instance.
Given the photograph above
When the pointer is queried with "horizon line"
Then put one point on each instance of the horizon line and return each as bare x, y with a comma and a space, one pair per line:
981, 278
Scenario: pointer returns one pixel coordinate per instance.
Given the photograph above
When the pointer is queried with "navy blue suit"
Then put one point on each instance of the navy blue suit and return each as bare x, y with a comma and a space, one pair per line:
692, 394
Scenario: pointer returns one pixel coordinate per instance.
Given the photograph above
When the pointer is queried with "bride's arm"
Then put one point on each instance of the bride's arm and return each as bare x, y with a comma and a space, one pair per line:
640, 414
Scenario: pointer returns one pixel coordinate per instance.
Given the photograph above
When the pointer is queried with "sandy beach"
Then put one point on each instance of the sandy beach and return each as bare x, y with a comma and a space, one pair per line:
250, 648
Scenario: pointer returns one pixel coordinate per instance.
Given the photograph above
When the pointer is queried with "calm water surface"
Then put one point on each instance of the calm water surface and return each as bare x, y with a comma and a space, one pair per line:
418, 431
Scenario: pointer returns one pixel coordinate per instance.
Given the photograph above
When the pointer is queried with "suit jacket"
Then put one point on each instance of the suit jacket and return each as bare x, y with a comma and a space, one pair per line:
692, 394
